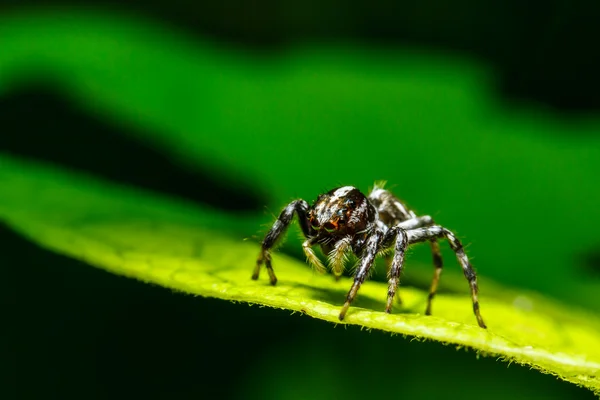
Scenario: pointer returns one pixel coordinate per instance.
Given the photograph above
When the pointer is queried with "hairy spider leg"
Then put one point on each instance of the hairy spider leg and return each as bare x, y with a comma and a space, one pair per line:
438, 263
300, 207
388, 262
397, 261
420, 222
365, 263
393, 210
427, 233
416, 222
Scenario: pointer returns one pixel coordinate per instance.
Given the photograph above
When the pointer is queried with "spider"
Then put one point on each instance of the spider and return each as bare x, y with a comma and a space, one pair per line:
344, 220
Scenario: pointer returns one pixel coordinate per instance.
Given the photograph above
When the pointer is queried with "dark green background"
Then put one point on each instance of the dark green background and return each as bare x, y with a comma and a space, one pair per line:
72, 331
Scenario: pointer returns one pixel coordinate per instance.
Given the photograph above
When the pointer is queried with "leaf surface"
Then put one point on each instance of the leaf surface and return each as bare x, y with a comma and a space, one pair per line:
178, 246
451, 149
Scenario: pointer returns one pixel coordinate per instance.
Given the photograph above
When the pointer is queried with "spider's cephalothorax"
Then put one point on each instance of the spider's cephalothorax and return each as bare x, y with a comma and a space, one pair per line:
344, 221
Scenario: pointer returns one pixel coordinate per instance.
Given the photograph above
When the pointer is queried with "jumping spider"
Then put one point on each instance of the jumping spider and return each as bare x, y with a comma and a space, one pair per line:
344, 220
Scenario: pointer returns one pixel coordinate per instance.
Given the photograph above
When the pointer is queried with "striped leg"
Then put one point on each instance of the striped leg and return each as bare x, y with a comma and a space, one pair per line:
299, 207
436, 231
438, 264
397, 263
388, 262
468, 271
366, 262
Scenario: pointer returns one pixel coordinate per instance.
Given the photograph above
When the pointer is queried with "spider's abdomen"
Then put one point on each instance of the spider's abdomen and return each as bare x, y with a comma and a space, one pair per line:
343, 211
391, 209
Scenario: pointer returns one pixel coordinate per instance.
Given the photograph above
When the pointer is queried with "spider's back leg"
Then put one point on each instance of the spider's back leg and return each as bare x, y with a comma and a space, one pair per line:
438, 232
438, 263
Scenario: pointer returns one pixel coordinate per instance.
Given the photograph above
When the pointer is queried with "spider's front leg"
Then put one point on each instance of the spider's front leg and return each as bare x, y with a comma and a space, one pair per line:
397, 261
372, 247
389, 258
300, 207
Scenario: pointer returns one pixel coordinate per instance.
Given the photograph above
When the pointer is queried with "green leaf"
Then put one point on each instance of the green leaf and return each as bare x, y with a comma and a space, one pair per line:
477, 162
452, 149
179, 246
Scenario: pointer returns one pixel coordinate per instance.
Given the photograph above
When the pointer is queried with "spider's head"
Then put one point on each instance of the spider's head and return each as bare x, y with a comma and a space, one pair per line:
343, 211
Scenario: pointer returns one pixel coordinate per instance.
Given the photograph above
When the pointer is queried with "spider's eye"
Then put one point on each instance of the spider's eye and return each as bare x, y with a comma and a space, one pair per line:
329, 227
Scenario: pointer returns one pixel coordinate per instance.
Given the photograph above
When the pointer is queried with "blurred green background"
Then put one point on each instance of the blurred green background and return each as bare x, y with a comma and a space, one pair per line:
484, 116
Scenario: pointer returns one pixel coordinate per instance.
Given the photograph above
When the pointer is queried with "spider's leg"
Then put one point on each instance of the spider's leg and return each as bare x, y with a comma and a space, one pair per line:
416, 222
436, 231
468, 271
278, 228
365, 263
338, 256
438, 264
397, 261
388, 262
419, 222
